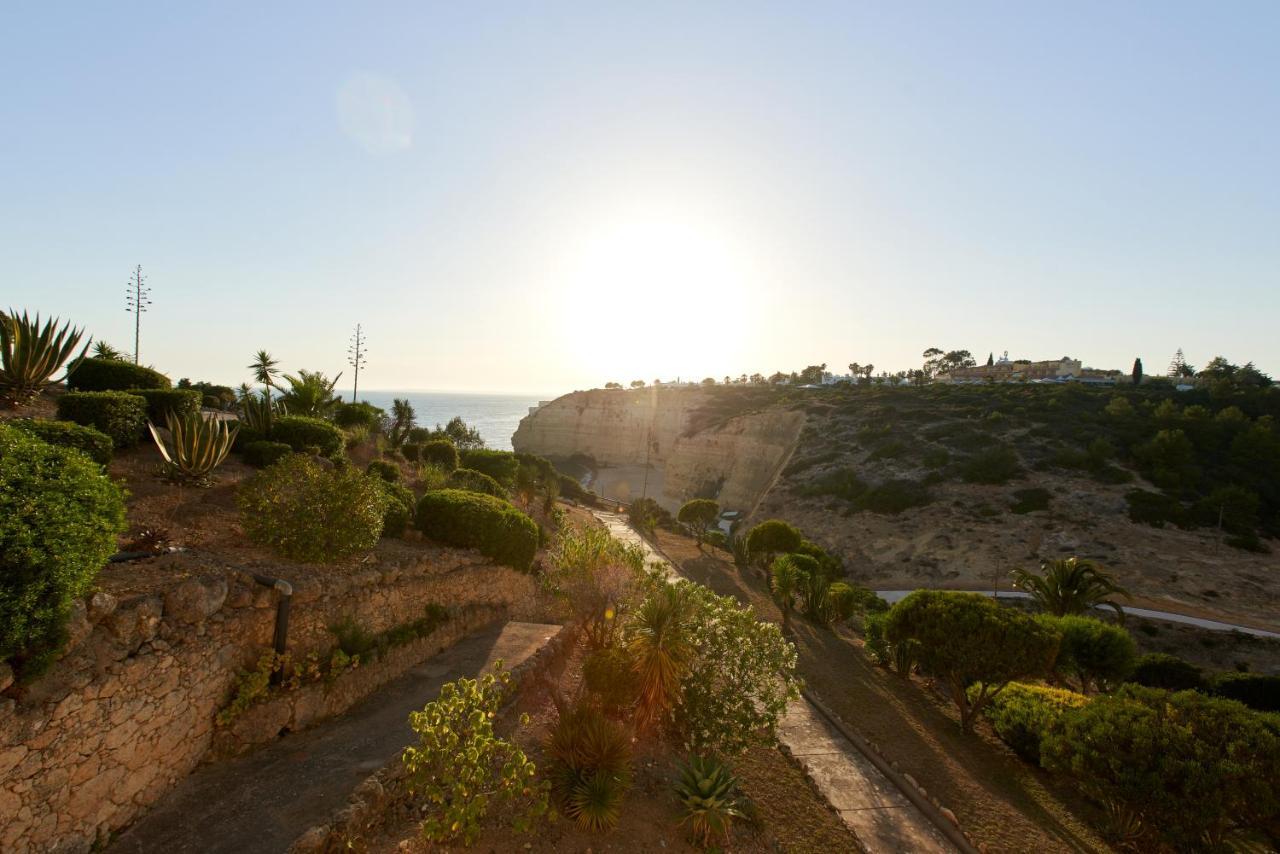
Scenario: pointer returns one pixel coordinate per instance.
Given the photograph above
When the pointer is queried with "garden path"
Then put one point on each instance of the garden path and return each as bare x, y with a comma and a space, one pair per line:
262, 802
877, 811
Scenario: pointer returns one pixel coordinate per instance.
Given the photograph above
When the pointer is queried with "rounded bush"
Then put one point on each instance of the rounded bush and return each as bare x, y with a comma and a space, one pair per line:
390, 472
261, 453
121, 416
440, 453
113, 375
1160, 670
411, 451
773, 536
1253, 689
1022, 714
399, 506
1095, 652
474, 520
301, 432
357, 415
307, 512
59, 519
499, 465
162, 401
475, 481
67, 434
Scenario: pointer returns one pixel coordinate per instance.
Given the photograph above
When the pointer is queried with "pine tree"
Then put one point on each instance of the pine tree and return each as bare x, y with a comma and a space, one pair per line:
1177, 366
991, 359
1137, 371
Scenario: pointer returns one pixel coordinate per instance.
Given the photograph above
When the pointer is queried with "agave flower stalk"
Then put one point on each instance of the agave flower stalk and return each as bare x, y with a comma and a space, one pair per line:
30, 354
195, 445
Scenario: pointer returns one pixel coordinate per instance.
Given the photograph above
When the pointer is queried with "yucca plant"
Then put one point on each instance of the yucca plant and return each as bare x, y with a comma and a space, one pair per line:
31, 353
660, 646
1070, 586
708, 790
590, 767
195, 445
256, 413
103, 350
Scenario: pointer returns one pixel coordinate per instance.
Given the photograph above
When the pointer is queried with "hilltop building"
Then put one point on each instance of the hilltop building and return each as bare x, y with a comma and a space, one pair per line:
1004, 370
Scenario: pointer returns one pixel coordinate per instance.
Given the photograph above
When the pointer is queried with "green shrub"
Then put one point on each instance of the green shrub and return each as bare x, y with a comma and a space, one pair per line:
772, 537
1253, 689
571, 489
894, 496
301, 432
411, 451
499, 465
608, 675
474, 520
440, 453
161, 401
841, 602
1154, 508
1094, 652
400, 506
590, 767
350, 415
1160, 670
112, 375
262, 453
474, 481
1022, 714
67, 434
1191, 768
390, 472
309, 513
874, 637
1030, 500
994, 465
59, 519
121, 416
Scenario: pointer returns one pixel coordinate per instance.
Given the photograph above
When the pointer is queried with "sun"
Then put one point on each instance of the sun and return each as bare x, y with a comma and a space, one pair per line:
658, 295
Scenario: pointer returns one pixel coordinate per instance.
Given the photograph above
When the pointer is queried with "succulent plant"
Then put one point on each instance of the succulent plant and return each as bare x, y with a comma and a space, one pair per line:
195, 445
709, 792
30, 354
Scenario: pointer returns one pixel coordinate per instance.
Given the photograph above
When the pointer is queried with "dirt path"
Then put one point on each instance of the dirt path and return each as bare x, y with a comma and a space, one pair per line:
264, 801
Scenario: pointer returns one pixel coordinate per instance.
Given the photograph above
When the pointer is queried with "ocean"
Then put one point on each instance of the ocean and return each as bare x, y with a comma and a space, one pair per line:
496, 416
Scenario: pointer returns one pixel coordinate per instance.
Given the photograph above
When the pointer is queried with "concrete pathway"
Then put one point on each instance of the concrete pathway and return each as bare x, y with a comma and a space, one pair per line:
262, 802
870, 804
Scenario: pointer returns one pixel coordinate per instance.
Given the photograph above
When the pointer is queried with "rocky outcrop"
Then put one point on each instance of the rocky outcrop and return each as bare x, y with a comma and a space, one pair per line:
733, 458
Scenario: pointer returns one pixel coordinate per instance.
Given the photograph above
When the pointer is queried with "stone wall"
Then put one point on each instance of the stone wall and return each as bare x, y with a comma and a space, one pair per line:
129, 711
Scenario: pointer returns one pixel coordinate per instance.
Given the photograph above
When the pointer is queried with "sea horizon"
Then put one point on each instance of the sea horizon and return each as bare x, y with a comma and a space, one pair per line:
494, 414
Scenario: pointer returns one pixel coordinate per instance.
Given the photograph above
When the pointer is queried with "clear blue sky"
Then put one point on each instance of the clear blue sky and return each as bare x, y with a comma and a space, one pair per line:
540, 197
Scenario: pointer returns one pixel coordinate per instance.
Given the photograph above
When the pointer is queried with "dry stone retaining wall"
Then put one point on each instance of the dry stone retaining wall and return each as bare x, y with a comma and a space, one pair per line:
129, 711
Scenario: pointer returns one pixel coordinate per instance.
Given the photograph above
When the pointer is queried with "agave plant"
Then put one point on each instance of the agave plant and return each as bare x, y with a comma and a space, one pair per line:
310, 393
256, 412
590, 767
708, 790
30, 354
195, 445
1070, 586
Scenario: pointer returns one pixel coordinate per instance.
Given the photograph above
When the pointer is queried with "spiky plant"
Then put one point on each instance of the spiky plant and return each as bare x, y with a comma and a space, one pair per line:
590, 767
31, 353
256, 413
310, 393
103, 350
708, 791
265, 370
1070, 586
195, 445
659, 642
786, 579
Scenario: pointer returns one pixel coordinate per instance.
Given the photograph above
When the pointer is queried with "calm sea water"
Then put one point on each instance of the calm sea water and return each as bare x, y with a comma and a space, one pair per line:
496, 416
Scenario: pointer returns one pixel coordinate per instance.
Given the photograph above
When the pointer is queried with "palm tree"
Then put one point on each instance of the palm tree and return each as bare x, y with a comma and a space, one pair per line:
264, 370
787, 579
403, 419
660, 645
1070, 586
310, 393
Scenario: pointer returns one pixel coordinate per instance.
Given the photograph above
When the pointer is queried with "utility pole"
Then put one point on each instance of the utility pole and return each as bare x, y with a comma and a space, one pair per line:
137, 299
356, 358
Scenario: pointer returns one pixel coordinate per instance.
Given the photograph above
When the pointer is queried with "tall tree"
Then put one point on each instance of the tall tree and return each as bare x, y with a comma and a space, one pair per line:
991, 359
855, 369
1177, 364
137, 300
1137, 371
356, 359
265, 369
867, 369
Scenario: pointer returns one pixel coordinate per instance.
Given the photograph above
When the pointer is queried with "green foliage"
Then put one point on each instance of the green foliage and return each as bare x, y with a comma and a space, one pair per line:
1255, 690
473, 520
113, 375
1155, 509
31, 353
597, 578
399, 501
310, 393
306, 512
590, 767
1160, 670
873, 629
257, 414
842, 601
1196, 770
119, 415
717, 538
96, 444
659, 640
262, 453
162, 401
608, 674
1096, 653
440, 453
708, 792
894, 496
357, 643
411, 451
966, 638
390, 472
998, 464
1030, 500
59, 518
699, 515
474, 481
788, 575
647, 514
462, 771
1070, 586
194, 446
499, 465
462, 435
431, 477
251, 686
772, 537
361, 414
1023, 713
300, 433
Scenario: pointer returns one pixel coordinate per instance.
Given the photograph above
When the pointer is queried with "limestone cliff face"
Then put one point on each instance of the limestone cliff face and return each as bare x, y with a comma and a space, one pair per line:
734, 459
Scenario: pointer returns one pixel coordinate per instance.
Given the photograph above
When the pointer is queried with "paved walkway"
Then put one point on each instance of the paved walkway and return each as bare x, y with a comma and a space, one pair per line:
870, 804
264, 801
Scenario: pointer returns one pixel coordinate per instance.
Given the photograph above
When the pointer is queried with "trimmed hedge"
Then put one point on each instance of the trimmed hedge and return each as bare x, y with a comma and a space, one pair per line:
1253, 689
473, 520
1022, 714
440, 452
400, 506
390, 472
1160, 670
499, 465
474, 481
67, 434
161, 401
411, 451
301, 432
59, 519
120, 415
113, 375
261, 453
357, 415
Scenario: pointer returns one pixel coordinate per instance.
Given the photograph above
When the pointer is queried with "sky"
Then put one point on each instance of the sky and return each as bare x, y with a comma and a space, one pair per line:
541, 197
